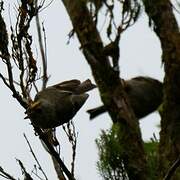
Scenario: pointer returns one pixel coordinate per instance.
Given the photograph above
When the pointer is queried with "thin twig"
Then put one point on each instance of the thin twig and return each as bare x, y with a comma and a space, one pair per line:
72, 137
74, 143
37, 175
6, 58
24, 172
43, 56
32, 152
35, 87
172, 169
4, 80
42, 4
54, 153
5, 174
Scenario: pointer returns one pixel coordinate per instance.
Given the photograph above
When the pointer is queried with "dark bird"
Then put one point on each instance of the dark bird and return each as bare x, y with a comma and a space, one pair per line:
145, 95
58, 104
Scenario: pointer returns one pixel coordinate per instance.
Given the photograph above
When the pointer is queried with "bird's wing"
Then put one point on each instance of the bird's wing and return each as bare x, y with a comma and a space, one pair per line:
85, 86
70, 85
75, 86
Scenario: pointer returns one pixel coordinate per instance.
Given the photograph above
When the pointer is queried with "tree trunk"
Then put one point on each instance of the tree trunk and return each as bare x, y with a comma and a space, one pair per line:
166, 28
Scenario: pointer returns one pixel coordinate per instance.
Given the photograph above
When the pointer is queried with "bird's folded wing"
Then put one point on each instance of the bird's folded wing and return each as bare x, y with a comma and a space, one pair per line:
70, 85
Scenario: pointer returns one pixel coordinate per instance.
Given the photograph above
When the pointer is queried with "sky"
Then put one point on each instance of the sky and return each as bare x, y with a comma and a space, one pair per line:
140, 55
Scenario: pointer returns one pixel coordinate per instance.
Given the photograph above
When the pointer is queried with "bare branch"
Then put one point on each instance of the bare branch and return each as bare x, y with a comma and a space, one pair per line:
58, 169
74, 144
5, 174
6, 57
44, 7
72, 137
52, 151
24, 172
32, 152
5, 81
42, 50
172, 169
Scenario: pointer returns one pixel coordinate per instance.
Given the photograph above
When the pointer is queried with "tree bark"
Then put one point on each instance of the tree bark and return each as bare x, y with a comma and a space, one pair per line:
165, 26
111, 89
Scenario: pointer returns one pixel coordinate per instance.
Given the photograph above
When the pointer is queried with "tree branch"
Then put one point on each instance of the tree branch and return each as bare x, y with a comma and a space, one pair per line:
24, 172
32, 152
54, 153
172, 169
42, 50
5, 174
6, 57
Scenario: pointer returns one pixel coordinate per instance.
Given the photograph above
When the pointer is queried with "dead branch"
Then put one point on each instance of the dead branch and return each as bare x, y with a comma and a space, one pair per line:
27, 176
72, 137
52, 151
5, 174
34, 156
172, 169
6, 59
43, 52
58, 169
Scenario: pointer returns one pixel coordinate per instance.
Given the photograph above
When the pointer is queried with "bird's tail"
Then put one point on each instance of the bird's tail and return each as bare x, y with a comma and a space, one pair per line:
85, 86
96, 111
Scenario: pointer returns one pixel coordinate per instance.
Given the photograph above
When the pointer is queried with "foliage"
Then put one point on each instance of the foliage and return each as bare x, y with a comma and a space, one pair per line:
151, 148
110, 164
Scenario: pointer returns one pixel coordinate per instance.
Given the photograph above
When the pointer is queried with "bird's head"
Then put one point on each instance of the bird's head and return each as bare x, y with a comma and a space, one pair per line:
39, 112
32, 109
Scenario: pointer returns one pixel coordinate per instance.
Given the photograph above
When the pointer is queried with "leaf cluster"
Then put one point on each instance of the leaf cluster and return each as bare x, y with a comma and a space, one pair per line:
110, 164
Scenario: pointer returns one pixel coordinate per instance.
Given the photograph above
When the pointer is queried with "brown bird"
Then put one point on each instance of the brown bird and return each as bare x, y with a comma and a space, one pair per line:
145, 95
58, 104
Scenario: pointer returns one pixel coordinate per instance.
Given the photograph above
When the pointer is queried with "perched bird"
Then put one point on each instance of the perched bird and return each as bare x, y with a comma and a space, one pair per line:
58, 104
145, 95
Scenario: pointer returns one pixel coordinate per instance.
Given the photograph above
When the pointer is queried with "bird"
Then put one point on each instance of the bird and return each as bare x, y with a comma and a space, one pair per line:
58, 104
145, 95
